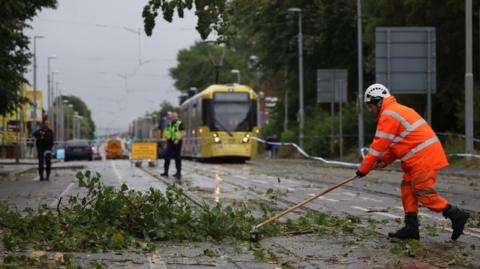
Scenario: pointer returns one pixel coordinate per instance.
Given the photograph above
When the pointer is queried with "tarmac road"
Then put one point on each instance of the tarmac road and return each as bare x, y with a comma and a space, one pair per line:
374, 197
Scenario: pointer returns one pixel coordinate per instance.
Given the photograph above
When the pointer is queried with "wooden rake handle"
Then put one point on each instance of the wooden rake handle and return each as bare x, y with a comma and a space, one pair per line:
283, 213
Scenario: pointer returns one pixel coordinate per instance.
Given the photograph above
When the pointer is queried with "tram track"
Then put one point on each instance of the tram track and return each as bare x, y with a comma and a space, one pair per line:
241, 181
239, 174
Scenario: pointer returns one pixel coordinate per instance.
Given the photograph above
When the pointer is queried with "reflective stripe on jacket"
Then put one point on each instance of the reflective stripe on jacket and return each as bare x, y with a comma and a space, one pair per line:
173, 131
403, 134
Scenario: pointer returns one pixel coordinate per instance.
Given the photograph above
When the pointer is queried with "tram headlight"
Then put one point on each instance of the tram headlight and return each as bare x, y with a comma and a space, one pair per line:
246, 138
216, 138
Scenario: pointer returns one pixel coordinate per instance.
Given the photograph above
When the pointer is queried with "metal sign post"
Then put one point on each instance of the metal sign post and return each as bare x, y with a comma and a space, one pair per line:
332, 88
338, 88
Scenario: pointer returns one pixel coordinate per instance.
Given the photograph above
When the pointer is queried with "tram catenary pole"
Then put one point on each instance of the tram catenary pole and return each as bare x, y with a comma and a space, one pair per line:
300, 73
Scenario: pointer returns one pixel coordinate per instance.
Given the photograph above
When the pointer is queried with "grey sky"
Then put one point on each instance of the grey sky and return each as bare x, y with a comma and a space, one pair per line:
94, 52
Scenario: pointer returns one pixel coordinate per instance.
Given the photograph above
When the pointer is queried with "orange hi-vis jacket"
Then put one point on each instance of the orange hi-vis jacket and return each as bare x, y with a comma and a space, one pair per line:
403, 134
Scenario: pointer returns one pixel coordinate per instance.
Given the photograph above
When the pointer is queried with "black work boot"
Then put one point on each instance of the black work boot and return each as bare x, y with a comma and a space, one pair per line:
165, 174
410, 231
458, 218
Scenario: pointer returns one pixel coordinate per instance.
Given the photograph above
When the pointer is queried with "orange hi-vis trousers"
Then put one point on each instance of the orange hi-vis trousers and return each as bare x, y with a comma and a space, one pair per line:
418, 185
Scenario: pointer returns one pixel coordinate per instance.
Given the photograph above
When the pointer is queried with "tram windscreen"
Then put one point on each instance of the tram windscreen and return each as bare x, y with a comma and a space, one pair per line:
233, 112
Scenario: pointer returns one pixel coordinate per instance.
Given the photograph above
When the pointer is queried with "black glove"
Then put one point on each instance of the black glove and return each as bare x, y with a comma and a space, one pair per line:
360, 174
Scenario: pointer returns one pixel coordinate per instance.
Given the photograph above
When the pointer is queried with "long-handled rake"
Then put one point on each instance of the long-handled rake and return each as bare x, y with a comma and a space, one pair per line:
255, 235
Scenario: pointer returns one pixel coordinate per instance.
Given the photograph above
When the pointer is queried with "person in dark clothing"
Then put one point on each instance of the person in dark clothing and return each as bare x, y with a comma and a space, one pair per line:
174, 135
268, 148
44, 141
274, 146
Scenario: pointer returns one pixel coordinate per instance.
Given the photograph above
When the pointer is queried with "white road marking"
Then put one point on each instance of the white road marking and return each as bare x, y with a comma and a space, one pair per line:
362, 197
430, 216
259, 181
119, 177
464, 232
328, 199
425, 215
154, 262
54, 203
323, 198
378, 213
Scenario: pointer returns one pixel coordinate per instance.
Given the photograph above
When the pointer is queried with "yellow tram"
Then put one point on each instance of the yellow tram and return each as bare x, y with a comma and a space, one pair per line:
219, 122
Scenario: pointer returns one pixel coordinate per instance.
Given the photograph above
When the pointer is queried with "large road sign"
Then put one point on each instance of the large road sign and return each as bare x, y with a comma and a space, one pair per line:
405, 59
332, 85
143, 151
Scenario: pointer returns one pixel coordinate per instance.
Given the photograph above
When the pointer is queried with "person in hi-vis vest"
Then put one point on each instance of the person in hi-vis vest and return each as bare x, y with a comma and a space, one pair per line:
174, 135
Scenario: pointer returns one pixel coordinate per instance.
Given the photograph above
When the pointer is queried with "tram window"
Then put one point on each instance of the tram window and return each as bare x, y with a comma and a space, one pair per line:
253, 112
233, 112
194, 114
206, 108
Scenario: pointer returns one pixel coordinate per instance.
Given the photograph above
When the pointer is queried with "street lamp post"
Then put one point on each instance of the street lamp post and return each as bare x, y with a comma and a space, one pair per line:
194, 90
260, 96
468, 78
69, 122
285, 109
236, 71
63, 124
34, 112
361, 141
59, 114
300, 72
54, 106
79, 118
49, 83
51, 110
74, 121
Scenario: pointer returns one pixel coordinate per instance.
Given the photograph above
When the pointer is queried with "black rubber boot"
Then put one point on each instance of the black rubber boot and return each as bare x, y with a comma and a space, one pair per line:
458, 218
410, 231
164, 174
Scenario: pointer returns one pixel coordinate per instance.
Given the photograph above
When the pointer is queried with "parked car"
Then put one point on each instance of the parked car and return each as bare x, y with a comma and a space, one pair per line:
78, 150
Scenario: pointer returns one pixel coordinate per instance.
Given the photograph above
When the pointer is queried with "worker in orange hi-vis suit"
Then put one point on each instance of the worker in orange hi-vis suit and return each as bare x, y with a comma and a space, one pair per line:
403, 134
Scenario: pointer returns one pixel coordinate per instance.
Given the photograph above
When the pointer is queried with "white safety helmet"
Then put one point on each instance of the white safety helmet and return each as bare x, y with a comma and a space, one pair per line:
375, 93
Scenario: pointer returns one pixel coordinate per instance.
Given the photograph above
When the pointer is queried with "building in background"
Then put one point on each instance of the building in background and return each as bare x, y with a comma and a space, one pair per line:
17, 126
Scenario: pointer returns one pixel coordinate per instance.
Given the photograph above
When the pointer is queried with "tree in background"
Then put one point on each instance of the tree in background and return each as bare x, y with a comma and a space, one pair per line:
165, 107
197, 60
265, 29
87, 128
209, 13
14, 51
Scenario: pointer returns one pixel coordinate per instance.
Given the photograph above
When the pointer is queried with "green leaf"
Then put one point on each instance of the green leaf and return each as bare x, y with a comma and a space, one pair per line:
124, 187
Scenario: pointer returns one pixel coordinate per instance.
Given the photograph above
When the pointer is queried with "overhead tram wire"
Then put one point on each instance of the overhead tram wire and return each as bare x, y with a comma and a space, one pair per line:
112, 26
